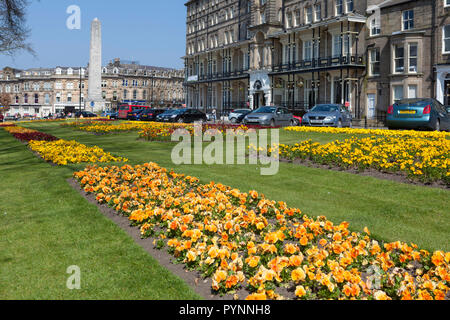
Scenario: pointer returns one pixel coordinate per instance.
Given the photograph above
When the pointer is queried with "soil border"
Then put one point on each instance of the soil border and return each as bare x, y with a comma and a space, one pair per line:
201, 285
368, 173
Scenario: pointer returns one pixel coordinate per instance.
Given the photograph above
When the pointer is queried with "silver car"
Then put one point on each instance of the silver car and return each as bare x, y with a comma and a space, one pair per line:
270, 116
328, 115
235, 114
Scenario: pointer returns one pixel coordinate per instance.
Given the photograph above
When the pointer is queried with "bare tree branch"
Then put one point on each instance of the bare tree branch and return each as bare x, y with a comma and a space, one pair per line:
13, 30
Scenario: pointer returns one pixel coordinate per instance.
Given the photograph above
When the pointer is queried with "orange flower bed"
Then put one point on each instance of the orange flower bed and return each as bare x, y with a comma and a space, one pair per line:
244, 239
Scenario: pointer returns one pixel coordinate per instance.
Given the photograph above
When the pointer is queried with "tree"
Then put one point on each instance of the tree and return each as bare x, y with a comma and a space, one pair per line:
5, 101
13, 31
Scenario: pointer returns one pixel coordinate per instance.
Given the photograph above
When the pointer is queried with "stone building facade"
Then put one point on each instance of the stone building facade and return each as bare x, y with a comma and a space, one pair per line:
296, 53
43, 91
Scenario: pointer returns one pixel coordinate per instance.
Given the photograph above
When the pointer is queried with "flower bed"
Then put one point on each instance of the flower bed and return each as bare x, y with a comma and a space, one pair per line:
378, 132
163, 131
63, 152
7, 124
37, 136
15, 129
244, 239
425, 159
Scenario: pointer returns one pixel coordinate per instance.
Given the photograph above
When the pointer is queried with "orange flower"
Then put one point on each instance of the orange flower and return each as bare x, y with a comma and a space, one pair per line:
297, 260
298, 275
253, 261
304, 241
257, 296
300, 291
438, 258
231, 281
220, 276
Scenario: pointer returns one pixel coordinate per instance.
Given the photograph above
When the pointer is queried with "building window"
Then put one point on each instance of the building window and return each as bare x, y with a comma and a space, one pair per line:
134, 94
25, 98
104, 94
349, 5
375, 27
308, 15
58, 85
317, 12
399, 59
69, 97
446, 40
58, 97
47, 98
413, 58
297, 17
412, 91
289, 23
36, 98
398, 93
446, 3
408, 20
307, 50
70, 86
17, 99
374, 62
339, 7
125, 94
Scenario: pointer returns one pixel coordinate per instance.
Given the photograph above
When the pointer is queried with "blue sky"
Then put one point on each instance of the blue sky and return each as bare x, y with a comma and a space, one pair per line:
149, 31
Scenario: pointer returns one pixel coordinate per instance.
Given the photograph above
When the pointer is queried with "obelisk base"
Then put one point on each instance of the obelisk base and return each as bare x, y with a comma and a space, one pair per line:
96, 106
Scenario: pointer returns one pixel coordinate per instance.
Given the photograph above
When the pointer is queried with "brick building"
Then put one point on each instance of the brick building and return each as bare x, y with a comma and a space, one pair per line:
43, 91
296, 53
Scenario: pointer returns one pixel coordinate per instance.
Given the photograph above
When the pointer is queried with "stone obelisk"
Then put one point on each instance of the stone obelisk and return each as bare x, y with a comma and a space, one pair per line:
95, 102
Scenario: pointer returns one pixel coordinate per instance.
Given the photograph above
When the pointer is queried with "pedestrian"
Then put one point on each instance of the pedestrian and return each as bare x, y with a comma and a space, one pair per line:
214, 115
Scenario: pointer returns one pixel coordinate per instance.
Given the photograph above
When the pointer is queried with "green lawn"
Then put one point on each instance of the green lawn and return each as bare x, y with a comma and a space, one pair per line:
48, 226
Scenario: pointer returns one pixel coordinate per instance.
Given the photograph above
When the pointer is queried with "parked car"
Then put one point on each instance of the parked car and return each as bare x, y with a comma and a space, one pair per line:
421, 113
151, 114
182, 116
328, 115
135, 115
85, 114
234, 115
107, 113
114, 115
269, 116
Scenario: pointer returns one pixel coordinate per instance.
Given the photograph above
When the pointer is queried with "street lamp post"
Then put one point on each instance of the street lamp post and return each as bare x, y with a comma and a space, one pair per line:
81, 68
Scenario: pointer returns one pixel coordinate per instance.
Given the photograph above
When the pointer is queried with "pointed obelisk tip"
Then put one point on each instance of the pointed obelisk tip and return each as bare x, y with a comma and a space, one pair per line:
96, 19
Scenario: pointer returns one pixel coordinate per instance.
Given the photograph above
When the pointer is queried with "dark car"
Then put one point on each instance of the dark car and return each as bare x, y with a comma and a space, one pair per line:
182, 116
328, 115
1, 117
241, 116
85, 114
135, 115
114, 115
151, 114
426, 113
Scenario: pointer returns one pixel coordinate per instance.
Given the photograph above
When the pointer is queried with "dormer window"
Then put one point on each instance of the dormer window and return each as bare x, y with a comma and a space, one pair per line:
58, 71
70, 71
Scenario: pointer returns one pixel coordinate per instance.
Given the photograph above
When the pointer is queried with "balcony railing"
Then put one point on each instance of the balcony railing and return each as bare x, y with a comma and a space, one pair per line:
218, 76
319, 63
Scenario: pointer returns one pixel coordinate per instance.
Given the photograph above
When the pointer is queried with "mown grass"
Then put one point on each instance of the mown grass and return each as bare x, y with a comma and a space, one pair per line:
48, 226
